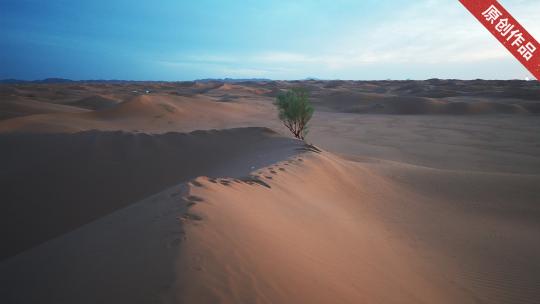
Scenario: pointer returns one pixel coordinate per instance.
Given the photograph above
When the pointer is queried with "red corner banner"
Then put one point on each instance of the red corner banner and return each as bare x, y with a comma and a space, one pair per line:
508, 31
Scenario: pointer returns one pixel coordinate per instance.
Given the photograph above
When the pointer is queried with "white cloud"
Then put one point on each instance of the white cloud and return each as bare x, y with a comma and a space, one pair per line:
427, 32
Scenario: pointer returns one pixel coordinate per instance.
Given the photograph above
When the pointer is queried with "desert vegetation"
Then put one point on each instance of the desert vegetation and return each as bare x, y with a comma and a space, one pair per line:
295, 111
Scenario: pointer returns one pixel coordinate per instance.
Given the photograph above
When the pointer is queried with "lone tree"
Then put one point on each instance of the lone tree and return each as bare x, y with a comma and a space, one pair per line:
295, 111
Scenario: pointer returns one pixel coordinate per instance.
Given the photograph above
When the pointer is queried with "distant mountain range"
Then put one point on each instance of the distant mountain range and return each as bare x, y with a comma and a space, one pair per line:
47, 80
63, 80
232, 80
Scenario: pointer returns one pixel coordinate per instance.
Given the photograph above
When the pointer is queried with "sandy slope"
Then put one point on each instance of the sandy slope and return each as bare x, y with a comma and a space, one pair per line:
312, 237
124, 257
329, 230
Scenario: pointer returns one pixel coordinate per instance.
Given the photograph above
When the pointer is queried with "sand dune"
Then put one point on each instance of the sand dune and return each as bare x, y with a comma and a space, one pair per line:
54, 183
147, 113
95, 102
143, 105
434, 96
314, 228
306, 237
328, 230
347, 102
17, 107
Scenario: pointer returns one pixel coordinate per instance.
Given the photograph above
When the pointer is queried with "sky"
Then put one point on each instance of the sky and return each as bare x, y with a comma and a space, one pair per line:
280, 39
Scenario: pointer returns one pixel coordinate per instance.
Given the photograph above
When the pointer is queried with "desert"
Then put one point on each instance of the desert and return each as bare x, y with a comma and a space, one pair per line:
194, 192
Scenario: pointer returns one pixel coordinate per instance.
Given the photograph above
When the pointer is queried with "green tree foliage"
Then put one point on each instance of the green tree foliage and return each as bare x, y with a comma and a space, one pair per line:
295, 111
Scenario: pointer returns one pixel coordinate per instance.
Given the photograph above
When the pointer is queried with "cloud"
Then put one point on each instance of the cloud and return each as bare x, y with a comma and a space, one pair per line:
427, 32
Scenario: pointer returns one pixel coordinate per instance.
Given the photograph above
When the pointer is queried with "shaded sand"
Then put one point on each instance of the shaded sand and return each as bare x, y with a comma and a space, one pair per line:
52, 183
124, 257
95, 102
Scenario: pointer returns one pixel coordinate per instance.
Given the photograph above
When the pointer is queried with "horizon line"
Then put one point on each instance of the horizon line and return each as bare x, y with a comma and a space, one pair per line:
241, 79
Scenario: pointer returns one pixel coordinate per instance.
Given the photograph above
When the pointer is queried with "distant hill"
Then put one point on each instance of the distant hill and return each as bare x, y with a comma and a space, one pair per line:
44, 81
63, 80
232, 80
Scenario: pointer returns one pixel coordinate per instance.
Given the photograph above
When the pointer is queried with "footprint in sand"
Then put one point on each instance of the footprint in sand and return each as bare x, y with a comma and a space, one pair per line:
191, 217
252, 180
194, 198
196, 184
225, 182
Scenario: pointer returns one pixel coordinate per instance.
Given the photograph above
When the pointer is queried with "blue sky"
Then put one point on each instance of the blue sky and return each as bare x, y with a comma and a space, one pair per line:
185, 40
